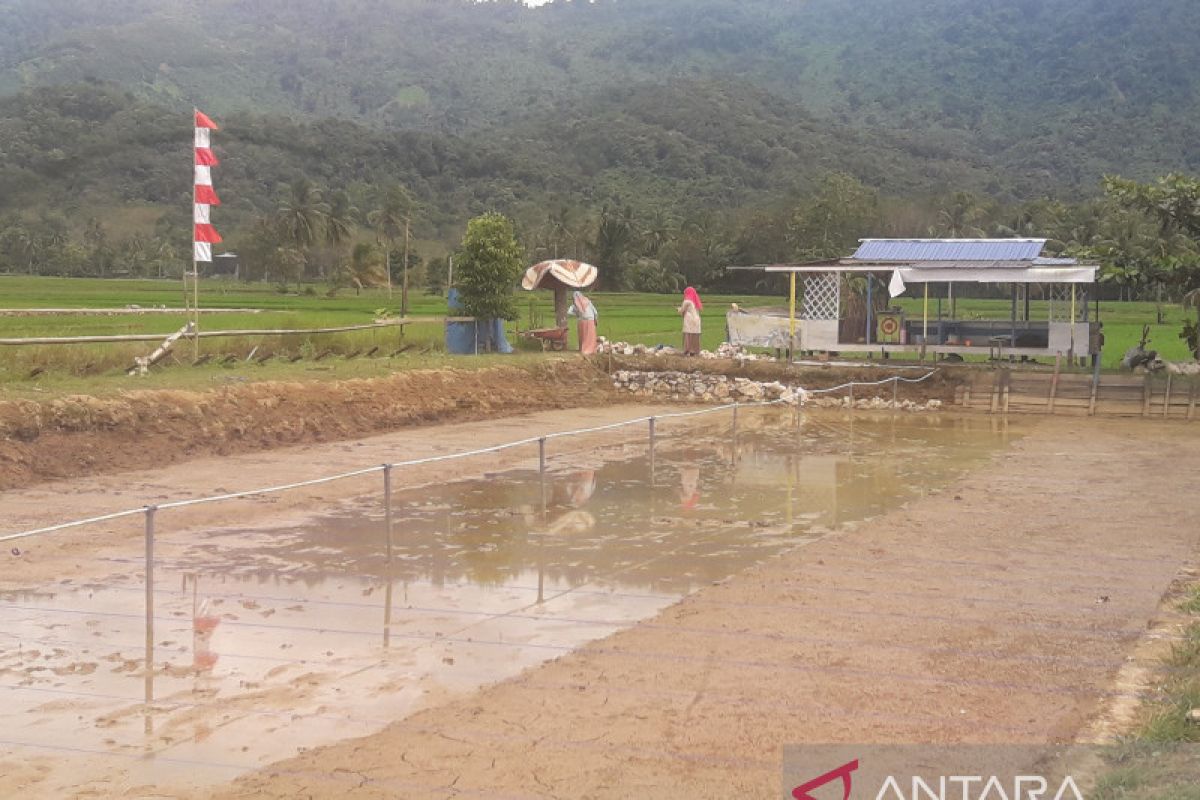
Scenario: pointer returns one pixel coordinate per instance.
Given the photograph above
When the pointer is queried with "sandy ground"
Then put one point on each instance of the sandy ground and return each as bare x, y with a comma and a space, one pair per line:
999, 610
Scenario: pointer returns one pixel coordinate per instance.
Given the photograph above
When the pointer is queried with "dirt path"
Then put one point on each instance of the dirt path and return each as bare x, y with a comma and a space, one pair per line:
998, 610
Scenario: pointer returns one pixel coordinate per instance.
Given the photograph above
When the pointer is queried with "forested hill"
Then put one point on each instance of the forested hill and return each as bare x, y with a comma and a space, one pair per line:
687, 106
1064, 88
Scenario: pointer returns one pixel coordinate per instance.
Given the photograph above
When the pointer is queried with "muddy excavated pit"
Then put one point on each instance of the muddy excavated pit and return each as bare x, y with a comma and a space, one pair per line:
642, 622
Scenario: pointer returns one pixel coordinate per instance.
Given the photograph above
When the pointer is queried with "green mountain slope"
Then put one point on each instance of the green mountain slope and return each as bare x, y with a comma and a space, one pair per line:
684, 104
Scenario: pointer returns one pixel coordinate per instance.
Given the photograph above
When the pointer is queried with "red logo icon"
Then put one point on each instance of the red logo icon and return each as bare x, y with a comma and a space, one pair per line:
843, 772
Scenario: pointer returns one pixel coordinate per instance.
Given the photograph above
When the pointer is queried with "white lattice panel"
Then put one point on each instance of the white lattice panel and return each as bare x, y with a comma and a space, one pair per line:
1059, 295
822, 296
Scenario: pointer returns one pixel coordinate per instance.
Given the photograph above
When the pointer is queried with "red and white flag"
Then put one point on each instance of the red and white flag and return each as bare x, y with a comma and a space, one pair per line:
204, 197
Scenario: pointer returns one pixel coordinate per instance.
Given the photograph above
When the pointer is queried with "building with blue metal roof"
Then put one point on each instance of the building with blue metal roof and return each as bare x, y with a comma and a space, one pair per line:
844, 303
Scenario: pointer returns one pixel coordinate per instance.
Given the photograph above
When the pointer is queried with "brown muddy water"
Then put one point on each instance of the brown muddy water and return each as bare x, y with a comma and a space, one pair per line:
269, 641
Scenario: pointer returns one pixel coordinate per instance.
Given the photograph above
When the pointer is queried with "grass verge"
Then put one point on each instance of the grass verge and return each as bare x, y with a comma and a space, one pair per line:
1161, 759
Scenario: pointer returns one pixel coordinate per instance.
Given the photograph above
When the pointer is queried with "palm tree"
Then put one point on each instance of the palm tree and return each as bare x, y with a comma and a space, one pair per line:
958, 219
362, 268
659, 230
613, 238
25, 244
302, 217
341, 220
340, 224
559, 228
390, 221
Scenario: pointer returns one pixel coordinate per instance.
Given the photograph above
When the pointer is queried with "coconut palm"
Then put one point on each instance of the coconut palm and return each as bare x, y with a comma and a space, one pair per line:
363, 268
957, 220
390, 221
301, 218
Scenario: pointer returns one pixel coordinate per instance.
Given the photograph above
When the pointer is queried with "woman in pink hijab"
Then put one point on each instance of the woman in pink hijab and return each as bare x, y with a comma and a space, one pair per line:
690, 310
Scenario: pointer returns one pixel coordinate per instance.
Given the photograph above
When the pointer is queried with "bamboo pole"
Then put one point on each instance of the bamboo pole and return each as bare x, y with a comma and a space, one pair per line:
404, 281
155, 337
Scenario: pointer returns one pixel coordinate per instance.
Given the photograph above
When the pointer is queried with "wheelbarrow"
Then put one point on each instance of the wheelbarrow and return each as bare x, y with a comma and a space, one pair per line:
551, 338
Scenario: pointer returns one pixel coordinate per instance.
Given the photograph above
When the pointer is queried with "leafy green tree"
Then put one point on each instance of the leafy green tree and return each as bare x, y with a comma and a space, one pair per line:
830, 224
1171, 258
436, 270
1173, 200
488, 267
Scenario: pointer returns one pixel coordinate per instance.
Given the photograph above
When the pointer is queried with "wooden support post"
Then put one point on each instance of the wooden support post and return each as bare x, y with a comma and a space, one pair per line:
1095, 389
1007, 389
1167, 398
792, 319
561, 305
1147, 388
925, 322
996, 393
1054, 382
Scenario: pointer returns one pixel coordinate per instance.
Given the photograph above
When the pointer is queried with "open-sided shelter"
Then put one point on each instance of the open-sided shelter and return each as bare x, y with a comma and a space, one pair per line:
836, 307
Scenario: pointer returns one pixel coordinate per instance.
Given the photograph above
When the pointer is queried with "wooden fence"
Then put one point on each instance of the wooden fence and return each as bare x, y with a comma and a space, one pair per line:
1002, 391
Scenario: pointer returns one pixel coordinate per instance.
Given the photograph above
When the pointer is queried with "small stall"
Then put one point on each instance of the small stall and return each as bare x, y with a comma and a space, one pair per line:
844, 305
562, 277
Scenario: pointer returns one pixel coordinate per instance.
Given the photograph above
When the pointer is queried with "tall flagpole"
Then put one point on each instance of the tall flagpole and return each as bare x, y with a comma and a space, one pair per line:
194, 314
204, 197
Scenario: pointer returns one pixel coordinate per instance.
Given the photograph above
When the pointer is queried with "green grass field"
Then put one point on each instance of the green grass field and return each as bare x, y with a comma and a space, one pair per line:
638, 318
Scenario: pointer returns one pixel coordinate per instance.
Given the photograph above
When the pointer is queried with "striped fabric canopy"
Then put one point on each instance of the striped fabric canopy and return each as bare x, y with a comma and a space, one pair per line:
573, 274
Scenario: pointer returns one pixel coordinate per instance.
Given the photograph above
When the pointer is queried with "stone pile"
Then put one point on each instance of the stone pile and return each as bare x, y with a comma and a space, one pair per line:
1183, 367
698, 387
726, 350
871, 403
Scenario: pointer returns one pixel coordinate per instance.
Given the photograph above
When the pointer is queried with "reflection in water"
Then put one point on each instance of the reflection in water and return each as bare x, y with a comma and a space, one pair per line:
270, 640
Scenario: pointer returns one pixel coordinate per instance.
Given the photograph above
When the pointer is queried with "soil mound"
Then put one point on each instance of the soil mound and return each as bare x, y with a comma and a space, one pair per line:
79, 435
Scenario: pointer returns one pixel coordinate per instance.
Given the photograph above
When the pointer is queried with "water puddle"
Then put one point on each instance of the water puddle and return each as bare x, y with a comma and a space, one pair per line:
272, 640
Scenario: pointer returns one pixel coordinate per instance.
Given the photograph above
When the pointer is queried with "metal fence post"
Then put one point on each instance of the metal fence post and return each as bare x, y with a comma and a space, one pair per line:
387, 507
542, 474
652, 441
149, 676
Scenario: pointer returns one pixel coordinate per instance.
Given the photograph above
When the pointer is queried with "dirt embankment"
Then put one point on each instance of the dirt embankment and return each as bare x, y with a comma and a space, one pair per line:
81, 434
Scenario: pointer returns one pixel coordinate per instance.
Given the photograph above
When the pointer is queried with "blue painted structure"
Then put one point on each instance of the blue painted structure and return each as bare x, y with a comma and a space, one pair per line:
480, 336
